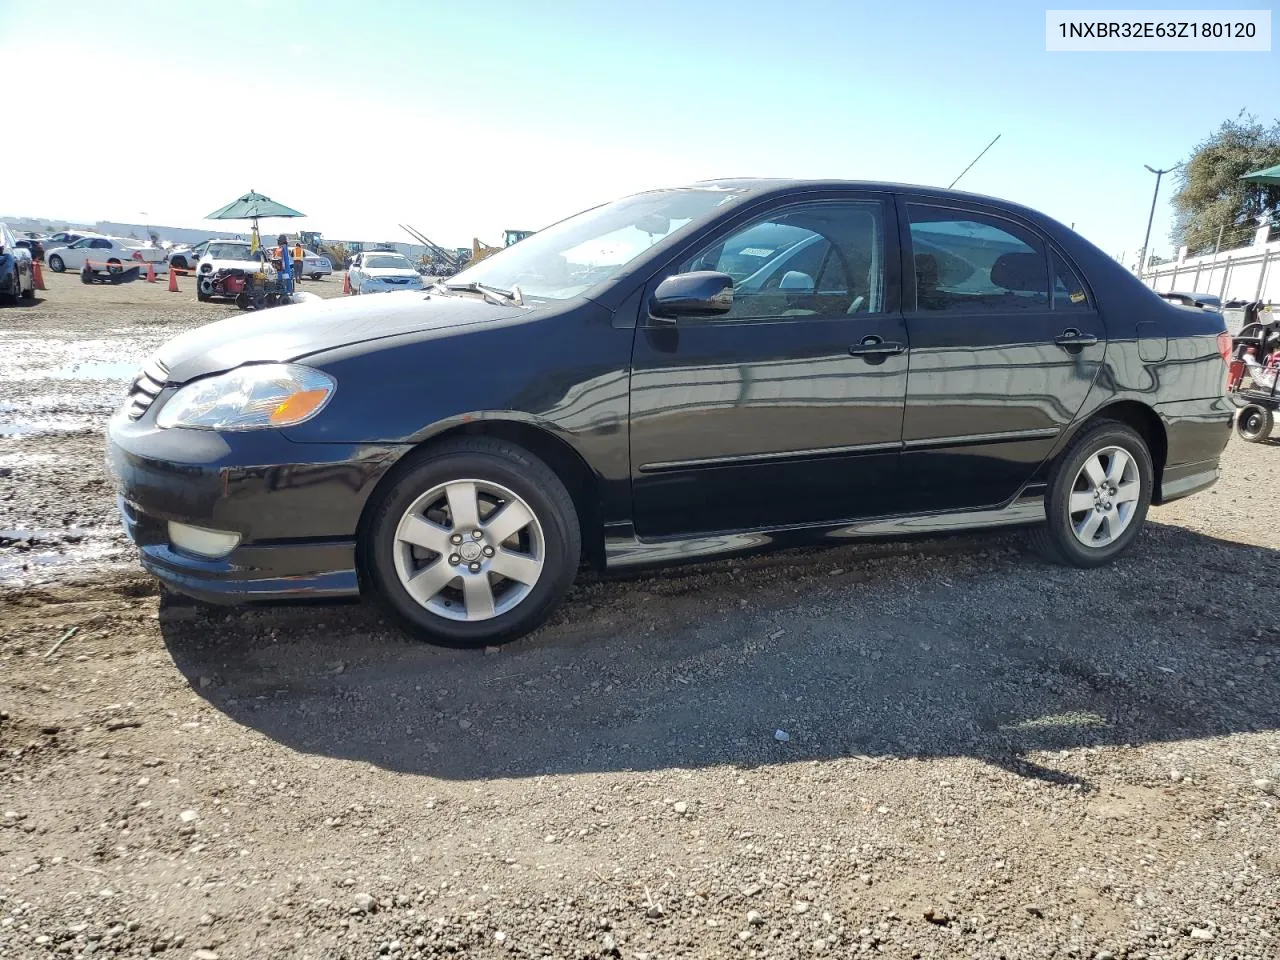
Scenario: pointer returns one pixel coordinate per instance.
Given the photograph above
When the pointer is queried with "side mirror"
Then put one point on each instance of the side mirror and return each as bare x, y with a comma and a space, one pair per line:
703, 293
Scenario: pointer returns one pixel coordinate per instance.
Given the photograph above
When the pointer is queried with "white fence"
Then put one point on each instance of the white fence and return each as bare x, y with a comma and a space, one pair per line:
1246, 273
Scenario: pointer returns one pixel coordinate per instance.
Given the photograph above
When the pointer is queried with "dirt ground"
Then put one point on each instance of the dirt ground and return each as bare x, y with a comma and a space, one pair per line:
944, 748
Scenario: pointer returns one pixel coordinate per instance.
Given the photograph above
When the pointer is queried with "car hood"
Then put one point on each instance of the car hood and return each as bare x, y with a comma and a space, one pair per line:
249, 266
378, 273
298, 330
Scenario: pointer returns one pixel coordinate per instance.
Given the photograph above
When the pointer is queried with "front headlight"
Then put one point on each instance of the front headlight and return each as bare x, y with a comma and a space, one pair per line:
257, 396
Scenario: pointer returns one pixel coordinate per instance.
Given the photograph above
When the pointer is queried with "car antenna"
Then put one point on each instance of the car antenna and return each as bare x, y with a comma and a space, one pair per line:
974, 160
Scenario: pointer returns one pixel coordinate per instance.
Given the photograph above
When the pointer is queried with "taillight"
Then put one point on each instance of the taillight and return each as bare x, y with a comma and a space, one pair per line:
1224, 345
137, 255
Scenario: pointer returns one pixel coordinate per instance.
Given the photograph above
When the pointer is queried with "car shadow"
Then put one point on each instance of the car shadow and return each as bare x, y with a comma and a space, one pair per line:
965, 646
27, 302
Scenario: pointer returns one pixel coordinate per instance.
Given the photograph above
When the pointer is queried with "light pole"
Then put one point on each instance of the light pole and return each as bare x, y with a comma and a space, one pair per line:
1142, 261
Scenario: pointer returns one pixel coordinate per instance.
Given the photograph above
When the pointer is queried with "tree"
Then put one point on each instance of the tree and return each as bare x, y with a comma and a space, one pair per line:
1211, 194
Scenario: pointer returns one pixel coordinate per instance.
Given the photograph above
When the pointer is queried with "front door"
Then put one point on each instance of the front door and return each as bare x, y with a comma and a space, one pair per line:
1005, 345
787, 410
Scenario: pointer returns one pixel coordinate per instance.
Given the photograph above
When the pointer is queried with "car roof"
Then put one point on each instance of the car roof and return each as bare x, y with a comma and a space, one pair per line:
753, 188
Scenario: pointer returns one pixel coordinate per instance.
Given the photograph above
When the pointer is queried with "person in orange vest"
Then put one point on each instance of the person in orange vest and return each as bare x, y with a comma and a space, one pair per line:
297, 262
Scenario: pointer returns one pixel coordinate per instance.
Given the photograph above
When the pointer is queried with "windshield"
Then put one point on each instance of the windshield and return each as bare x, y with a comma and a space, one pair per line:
574, 255
228, 251
387, 261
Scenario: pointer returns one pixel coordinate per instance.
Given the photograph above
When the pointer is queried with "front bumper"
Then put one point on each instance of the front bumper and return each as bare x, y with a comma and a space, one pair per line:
296, 507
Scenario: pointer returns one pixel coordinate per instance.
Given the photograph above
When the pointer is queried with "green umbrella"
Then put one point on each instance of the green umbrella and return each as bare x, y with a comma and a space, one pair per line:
253, 206
1269, 177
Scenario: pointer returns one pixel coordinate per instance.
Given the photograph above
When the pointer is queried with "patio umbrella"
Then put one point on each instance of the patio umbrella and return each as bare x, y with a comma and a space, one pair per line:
253, 206
1269, 177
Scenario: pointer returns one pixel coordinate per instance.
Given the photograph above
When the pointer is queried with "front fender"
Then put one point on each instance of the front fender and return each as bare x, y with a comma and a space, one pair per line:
565, 372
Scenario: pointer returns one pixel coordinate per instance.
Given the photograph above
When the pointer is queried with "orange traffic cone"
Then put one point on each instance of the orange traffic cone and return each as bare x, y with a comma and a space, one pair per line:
151, 272
38, 275
346, 283
173, 279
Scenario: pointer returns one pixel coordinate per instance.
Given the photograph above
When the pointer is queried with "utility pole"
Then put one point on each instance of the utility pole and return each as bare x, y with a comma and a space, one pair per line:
1142, 261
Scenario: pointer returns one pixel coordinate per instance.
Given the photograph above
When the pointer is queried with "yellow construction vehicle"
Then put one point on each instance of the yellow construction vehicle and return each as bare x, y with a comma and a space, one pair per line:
480, 249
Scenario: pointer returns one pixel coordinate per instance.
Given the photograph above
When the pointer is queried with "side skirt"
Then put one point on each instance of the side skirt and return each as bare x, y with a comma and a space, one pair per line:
623, 549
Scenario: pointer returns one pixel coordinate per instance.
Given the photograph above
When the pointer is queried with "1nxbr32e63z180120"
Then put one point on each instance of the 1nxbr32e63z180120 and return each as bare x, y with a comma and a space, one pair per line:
678, 374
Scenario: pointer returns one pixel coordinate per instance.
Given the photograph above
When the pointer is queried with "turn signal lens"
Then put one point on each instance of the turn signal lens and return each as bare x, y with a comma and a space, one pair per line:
298, 407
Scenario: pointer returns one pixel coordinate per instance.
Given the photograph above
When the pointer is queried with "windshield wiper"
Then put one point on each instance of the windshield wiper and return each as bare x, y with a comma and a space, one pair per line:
484, 288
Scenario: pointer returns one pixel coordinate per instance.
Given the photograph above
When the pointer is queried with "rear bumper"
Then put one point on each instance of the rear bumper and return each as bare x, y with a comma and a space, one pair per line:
295, 507
1197, 432
1188, 478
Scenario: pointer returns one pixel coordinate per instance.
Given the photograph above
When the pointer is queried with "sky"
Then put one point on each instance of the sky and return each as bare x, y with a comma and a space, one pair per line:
463, 120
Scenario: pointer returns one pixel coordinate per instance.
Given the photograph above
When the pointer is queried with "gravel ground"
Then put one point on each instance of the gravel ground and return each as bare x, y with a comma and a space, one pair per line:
937, 749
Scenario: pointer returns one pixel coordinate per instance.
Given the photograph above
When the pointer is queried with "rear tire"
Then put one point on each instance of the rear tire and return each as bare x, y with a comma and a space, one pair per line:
465, 598
1254, 423
1098, 497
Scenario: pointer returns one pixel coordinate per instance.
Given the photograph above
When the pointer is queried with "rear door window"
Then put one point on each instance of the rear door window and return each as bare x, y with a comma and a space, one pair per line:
970, 262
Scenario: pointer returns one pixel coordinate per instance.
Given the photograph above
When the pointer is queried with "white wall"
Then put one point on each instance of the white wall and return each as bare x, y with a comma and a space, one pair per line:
1232, 274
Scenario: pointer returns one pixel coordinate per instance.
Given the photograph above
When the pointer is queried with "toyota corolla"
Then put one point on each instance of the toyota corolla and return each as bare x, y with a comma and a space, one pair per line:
677, 375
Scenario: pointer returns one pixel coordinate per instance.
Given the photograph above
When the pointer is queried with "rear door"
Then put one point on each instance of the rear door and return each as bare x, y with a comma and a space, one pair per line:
1002, 357
74, 256
787, 410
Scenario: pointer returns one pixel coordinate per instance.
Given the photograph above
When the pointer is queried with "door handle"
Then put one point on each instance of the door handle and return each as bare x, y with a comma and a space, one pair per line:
1071, 337
875, 347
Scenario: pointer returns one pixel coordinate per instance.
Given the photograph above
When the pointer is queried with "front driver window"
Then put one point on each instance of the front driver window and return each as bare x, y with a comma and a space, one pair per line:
814, 260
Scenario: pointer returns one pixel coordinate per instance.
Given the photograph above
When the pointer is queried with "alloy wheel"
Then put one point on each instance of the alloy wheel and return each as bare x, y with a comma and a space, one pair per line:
469, 550
1104, 497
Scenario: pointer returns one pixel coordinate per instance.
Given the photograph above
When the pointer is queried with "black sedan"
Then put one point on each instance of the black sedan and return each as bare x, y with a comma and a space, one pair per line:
677, 375
17, 280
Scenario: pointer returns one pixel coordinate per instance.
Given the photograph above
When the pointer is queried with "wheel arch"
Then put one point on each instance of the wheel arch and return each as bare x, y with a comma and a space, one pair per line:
567, 464
1143, 420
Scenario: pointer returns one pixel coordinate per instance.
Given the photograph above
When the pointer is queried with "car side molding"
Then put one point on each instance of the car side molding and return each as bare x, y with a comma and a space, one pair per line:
623, 549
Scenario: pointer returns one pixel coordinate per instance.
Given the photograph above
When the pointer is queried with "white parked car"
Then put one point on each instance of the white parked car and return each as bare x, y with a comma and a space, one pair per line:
219, 255
184, 256
104, 253
383, 272
315, 265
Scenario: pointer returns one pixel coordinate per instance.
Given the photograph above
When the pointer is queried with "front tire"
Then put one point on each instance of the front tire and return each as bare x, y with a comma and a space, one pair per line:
56, 264
1098, 497
1254, 423
475, 542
